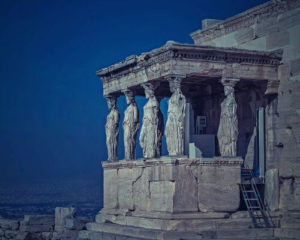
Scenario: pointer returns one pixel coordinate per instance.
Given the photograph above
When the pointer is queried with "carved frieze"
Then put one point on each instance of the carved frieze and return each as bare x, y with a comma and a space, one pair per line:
173, 58
246, 19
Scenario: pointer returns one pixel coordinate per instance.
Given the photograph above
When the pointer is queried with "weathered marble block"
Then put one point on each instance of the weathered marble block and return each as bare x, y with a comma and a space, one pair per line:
173, 185
61, 214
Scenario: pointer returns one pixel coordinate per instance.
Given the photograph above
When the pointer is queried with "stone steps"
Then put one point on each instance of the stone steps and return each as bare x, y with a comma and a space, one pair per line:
189, 224
141, 233
110, 231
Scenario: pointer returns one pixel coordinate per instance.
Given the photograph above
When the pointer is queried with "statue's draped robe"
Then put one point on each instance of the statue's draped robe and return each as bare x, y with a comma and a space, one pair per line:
130, 127
160, 131
150, 136
175, 124
228, 128
112, 133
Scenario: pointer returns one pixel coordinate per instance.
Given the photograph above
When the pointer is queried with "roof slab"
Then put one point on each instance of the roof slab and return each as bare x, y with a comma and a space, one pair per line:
195, 64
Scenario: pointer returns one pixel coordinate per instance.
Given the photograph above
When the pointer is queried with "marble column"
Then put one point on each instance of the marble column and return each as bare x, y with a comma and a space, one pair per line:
150, 136
174, 131
130, 125
228, 127
112, 129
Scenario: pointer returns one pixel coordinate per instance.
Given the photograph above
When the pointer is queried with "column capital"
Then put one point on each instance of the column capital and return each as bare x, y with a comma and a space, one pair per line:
175, 81
150, 87
175, 77
129, 95
272, 87
128, 92
231, 82
110, 97
111, 101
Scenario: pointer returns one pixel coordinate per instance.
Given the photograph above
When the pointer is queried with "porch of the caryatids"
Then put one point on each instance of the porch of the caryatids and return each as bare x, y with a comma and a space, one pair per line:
228, 127
112, 129
174, 131
130, 125
150, 136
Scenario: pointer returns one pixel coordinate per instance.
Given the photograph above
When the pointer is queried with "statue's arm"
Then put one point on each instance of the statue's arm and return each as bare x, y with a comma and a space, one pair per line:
116, 118
142, 136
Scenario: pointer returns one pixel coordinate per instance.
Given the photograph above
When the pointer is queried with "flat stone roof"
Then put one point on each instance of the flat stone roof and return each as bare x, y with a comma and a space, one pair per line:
189, 61
217, 54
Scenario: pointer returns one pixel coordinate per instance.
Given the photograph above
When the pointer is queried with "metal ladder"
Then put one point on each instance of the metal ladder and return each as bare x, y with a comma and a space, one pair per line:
255, 206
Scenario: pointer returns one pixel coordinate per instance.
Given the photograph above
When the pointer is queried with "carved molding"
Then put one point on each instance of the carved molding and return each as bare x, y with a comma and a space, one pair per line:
272, 87
176, 51
229, 81
139, 163
244, 19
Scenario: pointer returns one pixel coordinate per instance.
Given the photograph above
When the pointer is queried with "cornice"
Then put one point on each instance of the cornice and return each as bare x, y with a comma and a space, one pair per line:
176, 51
244, 19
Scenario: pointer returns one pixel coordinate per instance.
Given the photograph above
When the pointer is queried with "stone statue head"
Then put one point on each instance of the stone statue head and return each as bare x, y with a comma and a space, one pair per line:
174, 84
149, 90
229, 84
228, 90
129, 96
111, 102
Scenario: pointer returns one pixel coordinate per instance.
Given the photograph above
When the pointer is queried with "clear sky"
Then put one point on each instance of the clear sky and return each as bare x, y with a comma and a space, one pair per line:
52, 112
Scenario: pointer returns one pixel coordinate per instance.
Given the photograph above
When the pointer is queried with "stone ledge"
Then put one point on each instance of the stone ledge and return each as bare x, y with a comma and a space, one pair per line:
151, 234
173, 185
184, 224
124, 230
244, 19
221, 161
161, 215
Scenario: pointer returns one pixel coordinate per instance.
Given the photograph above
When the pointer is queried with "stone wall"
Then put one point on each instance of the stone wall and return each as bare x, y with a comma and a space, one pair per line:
272, 26
64, 225
172, 185
249, 96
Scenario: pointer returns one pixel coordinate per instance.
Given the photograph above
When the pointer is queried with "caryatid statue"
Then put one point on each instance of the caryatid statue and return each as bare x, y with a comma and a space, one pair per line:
130, 125
112, 129
160, 129
150, 136
174, 131
228, 127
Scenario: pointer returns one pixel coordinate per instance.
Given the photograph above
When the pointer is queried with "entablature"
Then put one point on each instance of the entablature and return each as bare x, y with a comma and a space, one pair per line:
191, 61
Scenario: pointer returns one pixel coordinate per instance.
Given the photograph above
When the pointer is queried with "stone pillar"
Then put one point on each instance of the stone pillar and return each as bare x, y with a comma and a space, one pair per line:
112, 129
150, 136
176, 117
130, 125
228, 127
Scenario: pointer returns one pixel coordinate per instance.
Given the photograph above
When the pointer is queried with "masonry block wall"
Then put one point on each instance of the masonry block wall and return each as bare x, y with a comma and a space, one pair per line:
272, 26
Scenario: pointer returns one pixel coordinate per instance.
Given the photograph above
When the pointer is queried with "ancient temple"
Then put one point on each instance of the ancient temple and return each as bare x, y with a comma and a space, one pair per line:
233, 120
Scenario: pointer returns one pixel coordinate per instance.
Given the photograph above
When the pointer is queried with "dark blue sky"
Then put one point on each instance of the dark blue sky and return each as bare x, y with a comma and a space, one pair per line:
51, 106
